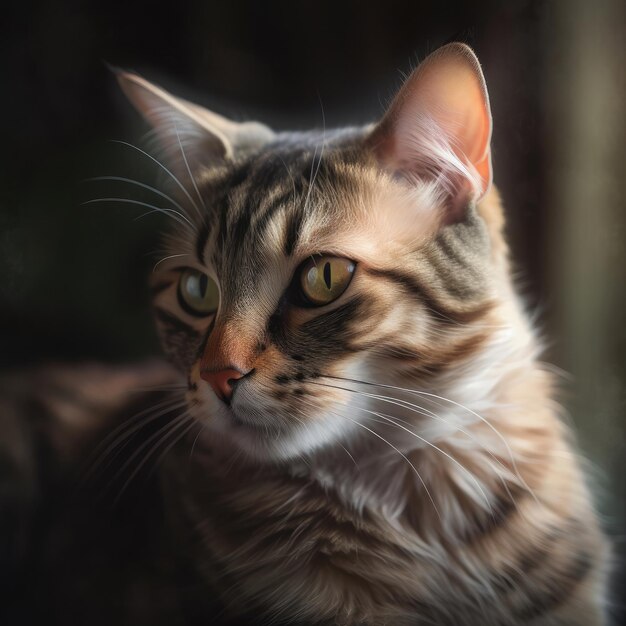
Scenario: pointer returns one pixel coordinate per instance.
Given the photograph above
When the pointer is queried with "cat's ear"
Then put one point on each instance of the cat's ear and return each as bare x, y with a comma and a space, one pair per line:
438, 127
206, 138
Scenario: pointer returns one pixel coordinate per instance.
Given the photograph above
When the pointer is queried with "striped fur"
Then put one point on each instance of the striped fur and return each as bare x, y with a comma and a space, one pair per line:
395, 457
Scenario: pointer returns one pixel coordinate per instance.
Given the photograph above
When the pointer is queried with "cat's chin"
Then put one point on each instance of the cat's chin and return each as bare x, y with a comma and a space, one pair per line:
267, 443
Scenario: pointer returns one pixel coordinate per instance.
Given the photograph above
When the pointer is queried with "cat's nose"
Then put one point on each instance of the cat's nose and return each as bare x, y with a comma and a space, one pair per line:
222, 382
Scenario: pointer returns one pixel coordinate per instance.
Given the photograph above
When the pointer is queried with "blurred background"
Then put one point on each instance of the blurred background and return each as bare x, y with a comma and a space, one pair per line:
72, 277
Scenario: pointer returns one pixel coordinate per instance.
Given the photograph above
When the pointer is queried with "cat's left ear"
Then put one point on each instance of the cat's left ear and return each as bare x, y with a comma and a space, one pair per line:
438, 127
205, 137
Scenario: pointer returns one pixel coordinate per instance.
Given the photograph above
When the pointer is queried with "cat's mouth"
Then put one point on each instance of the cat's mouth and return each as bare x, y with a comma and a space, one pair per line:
238, 418
242, 421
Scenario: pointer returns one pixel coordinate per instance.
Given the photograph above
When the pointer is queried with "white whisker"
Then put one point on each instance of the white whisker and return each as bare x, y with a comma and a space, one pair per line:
341, 415
319, 162
390, 419
165, 431
178, 217
165, 169
420, 410
171, 256
190, 424
118, 438
137, 183
461, 406
191, 177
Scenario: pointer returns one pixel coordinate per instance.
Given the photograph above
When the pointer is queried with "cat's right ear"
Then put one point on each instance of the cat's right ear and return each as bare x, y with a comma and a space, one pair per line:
186, 131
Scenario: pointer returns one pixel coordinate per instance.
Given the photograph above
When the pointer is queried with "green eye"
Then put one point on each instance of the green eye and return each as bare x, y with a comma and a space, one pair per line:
197, 293
324, 279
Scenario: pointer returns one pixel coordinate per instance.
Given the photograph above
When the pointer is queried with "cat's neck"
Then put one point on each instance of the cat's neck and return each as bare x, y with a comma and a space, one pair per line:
469, 443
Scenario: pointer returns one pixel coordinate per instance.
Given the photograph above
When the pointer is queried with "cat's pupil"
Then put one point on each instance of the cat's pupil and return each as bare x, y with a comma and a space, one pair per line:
204, 281
327, 274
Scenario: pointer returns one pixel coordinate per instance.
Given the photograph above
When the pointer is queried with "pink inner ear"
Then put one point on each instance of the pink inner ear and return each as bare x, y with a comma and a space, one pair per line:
439, 125
453, 93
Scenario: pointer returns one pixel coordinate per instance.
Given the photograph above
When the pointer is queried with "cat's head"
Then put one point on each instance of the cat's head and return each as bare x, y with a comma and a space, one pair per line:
302, 262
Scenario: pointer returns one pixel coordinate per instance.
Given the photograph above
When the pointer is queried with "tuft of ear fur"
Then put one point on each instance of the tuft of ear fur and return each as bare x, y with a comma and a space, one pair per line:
205, 137
438, 128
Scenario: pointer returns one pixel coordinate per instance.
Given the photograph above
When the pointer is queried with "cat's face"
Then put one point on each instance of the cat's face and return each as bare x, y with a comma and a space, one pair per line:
304, 262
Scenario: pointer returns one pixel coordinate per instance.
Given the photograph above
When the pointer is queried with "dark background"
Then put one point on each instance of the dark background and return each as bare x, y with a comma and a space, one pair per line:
72, 277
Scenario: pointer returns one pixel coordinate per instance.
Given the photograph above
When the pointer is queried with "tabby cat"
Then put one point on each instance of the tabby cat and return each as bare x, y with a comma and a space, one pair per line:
368, 437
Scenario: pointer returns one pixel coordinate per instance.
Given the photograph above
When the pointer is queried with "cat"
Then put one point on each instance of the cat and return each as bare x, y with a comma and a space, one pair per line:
379, 443
368, 435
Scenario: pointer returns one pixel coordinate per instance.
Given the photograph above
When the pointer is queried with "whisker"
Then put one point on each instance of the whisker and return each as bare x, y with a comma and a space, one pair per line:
390, 419
498, 462
175, 215
431, 395
191, 177
164, 404
171, 256
175, 441
403, 456
158, 388
457, 404
319, 162
165, 169
137, 183
348, 453
160, 436
420, 410
193, 445
308, 193
120, 436
398, 451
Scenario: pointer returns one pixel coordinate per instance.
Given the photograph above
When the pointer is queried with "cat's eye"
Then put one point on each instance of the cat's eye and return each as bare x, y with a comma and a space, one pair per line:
198, 293
324, 279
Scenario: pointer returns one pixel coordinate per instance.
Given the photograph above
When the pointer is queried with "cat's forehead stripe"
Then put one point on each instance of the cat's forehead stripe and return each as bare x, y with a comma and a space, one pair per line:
257, 188
253, 181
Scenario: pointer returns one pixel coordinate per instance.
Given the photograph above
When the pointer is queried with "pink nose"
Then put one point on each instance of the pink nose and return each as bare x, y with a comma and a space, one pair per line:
222, 382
